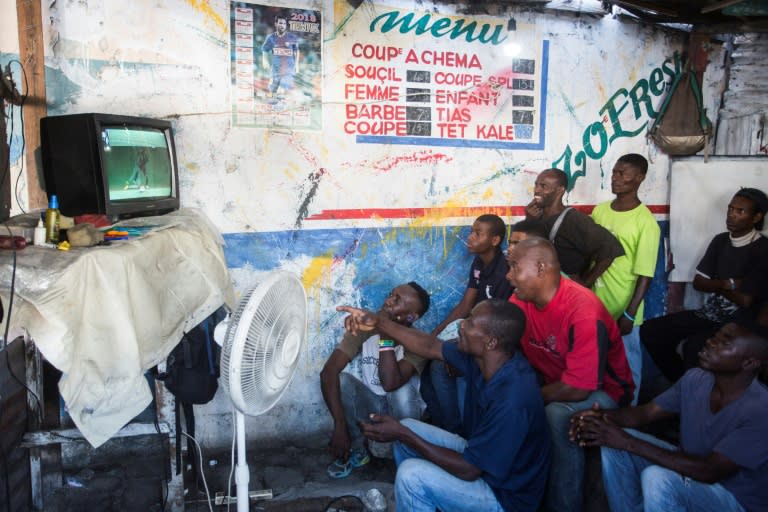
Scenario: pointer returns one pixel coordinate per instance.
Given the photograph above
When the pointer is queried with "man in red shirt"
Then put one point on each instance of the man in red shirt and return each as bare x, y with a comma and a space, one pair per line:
575, 345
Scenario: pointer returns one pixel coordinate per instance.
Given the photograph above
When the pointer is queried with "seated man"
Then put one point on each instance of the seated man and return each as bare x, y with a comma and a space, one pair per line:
722, 461
487, 280
575, 345
585, 249
389, 384
487, 275
443, 389
730, 272
502, 463
525, 229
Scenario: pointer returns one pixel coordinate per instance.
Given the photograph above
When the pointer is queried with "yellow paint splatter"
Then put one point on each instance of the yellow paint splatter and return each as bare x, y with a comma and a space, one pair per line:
205, 8
318, 269
597, 73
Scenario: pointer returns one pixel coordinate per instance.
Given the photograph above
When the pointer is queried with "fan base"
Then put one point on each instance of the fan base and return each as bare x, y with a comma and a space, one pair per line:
223, 499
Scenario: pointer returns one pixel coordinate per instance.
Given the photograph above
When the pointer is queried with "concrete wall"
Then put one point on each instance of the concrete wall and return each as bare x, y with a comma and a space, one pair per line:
353, 214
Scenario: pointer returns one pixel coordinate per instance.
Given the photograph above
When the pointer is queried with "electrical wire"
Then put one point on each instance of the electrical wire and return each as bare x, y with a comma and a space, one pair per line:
202, 472
7, 164
23, 138
4, 341
343, 497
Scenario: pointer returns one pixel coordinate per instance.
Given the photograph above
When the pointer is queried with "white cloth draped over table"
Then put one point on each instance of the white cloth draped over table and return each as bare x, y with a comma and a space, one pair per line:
104, 315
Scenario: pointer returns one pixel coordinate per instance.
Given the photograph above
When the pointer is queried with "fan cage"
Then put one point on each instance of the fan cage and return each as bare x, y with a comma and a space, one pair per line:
263, 343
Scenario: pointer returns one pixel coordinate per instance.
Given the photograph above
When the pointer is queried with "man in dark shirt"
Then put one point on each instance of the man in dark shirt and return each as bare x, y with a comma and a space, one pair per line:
731, 272
722, 460
441, 387
584, 248
502, 463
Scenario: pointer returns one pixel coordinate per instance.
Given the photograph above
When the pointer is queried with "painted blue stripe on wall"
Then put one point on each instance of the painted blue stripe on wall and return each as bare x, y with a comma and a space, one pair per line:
435, 257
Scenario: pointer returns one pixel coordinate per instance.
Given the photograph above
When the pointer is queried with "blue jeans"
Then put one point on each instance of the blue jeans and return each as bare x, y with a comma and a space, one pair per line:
565, 489
633, 349
634, 484
422, 486
446, 402
443, 394
359, 402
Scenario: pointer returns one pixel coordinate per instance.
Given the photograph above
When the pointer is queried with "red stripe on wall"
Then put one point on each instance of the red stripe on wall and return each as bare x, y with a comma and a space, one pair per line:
464, 211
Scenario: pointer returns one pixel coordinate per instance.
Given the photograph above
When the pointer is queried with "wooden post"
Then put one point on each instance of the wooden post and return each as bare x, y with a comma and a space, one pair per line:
31, 55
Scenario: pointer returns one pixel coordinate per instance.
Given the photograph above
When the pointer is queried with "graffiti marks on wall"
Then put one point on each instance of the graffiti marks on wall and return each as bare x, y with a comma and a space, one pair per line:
421, 158
275, 58
624, 115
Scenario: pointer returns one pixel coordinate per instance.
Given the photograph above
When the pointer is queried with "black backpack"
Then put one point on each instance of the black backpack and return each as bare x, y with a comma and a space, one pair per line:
191, 374
192, 367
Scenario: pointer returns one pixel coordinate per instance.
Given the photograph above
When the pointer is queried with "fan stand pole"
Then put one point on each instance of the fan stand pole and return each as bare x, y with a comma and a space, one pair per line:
242, 474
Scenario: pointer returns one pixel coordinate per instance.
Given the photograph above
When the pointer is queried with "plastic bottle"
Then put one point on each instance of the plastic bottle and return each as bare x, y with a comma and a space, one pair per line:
374, 501
52, 220
38, 238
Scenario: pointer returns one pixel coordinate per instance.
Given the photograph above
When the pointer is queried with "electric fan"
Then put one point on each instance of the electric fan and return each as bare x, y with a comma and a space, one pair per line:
263, 340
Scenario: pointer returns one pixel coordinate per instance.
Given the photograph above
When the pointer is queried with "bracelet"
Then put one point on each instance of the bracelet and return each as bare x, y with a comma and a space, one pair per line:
386, 349
629, 317
386, 343
732, 283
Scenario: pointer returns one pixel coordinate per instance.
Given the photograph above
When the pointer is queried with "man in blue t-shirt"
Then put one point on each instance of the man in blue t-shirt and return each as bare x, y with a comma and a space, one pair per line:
722, 461
283, 47
503, 462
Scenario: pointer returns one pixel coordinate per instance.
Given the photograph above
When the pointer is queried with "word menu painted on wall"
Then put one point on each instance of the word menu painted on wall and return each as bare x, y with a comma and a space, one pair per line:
427, 79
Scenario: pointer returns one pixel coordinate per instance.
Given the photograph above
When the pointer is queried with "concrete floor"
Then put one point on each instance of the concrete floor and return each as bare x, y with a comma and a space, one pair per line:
129, 475
296, 474
131, 478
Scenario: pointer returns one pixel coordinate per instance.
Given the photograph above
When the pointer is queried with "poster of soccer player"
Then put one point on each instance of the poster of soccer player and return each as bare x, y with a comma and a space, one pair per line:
276, 66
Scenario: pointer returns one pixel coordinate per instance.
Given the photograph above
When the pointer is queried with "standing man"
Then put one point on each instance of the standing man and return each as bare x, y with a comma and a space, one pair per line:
502, 463
584, 248
575, 345
390, 377
441, 387
722, 461
624, 284
283, 47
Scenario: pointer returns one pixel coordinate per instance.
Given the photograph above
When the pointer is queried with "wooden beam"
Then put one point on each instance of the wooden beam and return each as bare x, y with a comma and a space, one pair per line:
44, 438
30, 24
719, 6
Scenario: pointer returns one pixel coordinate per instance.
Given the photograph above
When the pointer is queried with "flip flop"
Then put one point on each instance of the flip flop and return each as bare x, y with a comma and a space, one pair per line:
359, 458
339, 469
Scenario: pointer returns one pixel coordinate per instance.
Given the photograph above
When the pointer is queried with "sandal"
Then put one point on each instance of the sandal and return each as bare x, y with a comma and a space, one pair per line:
359, 458
341, 469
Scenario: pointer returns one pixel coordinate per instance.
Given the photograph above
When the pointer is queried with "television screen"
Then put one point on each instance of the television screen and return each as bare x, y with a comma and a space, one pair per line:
137, 162
119, 166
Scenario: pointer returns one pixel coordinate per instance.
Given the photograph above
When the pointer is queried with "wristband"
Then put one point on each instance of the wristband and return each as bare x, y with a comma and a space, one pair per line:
386, 343
732, 283
629, 317
386, 349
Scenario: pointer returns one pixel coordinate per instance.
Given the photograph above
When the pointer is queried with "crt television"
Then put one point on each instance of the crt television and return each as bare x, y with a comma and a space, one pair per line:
119, 166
